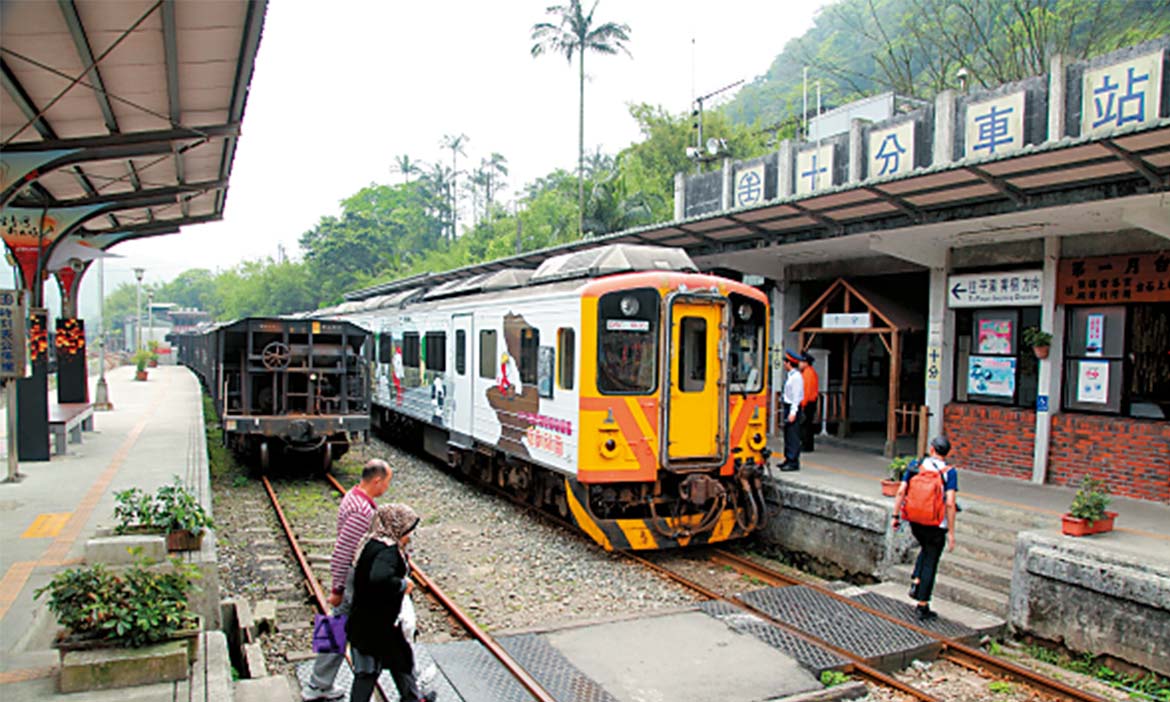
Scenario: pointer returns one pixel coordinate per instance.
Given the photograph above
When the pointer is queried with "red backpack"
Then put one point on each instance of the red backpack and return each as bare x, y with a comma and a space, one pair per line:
925, 497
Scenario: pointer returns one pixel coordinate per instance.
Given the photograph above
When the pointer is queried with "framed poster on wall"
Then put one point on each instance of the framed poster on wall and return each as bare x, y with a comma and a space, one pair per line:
1093, 382
995, 337
992, 376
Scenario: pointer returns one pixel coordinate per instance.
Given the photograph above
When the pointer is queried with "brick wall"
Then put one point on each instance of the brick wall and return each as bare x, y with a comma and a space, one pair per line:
1132, 456
991, 439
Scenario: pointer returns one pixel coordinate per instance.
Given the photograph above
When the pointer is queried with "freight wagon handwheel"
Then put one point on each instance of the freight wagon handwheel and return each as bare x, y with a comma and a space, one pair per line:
276, 355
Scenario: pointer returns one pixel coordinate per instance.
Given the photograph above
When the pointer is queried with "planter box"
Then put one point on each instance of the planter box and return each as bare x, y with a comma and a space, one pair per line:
1073, 526
890, 487
105, 668
183, 540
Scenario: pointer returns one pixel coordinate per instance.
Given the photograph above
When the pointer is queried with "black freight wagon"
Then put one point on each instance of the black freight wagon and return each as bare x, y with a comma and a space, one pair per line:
283, 385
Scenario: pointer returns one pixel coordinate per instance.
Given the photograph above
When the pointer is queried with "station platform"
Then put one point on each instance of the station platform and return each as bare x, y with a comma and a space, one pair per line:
154, 434
1141, 527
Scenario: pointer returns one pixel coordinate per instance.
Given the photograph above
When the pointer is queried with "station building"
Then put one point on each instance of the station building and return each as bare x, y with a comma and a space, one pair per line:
909, 247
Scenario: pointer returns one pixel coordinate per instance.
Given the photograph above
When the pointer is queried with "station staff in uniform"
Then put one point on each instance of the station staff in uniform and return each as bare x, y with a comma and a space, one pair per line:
809, 406
791, 399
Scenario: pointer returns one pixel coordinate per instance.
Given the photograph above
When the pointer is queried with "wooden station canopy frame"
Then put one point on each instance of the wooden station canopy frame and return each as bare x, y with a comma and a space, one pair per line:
886, 319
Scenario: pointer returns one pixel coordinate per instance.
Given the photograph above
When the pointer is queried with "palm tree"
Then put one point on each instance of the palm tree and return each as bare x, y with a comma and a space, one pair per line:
407, 166
496, 167
455, 143
575, 33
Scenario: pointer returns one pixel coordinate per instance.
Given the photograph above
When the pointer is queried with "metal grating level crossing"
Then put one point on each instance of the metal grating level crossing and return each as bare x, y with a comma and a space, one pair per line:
813, 657
905, 612
881, 643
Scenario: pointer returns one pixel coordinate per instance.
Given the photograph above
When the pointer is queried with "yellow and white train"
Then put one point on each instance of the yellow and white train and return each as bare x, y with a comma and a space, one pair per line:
617, 386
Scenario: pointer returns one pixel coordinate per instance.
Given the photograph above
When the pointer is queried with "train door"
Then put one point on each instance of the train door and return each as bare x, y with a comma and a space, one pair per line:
464, 379
698, 390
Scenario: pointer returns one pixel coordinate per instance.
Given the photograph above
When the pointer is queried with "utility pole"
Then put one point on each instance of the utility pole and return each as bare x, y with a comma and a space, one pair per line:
138, 310
102, 398
697, 115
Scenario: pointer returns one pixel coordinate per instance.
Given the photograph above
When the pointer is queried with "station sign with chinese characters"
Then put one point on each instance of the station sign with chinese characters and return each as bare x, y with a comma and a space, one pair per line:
995, 289
1128, 92
1114, 279
891, 151
814, 169
13, 338
995, 126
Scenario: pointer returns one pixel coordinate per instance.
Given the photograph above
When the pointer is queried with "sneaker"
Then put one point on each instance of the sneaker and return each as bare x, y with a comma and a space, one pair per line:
925, 614
312, 694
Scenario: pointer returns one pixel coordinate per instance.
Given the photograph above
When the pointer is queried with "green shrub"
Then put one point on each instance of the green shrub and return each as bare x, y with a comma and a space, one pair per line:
173, 507
898, 466
1091, 500
1035, 336
140, 607
832, 678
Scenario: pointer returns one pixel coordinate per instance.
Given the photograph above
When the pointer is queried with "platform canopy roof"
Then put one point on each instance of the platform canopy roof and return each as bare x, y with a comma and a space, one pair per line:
128, 110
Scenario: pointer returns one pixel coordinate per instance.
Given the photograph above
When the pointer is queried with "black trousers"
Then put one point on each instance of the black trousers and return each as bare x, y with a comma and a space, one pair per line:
808, 426
791, 438
932, 539
364, 683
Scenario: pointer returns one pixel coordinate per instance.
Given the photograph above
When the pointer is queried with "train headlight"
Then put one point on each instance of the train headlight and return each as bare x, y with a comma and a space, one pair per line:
744, 311
629, 305
608, 448
756, 442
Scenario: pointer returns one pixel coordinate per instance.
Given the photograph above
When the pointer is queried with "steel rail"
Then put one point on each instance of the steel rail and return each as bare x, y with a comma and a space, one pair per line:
856, 665
527, 681
310, 579
954, 651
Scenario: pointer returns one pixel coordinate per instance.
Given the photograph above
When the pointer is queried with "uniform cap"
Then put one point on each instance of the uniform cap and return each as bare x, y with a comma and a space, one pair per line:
791, 356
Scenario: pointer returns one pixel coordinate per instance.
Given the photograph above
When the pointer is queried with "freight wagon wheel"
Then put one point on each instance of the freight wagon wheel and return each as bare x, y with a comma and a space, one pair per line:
276, 355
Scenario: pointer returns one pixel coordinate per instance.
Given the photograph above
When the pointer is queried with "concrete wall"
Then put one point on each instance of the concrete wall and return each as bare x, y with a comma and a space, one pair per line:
1092, 599
844, 534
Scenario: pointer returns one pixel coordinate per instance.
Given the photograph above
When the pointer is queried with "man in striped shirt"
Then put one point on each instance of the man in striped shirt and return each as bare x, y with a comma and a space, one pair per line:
353, 521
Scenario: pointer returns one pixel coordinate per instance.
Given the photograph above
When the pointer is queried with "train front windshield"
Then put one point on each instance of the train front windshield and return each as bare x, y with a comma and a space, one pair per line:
627, 361
748, 364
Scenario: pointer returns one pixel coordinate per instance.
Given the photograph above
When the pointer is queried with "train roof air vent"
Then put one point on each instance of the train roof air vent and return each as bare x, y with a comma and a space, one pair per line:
614, 258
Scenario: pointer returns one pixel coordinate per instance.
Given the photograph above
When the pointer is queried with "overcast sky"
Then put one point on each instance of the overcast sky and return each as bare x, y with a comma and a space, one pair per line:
342, 87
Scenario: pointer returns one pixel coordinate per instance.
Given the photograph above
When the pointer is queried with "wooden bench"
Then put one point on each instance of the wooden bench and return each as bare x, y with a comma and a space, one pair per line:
69, 420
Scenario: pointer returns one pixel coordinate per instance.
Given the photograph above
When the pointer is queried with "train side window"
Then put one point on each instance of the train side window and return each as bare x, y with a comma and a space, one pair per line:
410, 350
385, 347
692, 348
487, 354
566, 355
529, 352
460, 352
436, 350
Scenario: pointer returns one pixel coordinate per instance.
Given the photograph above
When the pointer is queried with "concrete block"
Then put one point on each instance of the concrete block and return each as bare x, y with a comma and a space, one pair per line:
265, 616
117, 550
246, 625
254, 663
217, 670
846, 691
106, 668
274, 688
1092, 598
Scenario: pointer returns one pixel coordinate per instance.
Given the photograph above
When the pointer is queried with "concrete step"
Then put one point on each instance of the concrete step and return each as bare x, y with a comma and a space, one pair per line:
975, 525
970, 544
981, 573
1006, 517
274, 688
948, 588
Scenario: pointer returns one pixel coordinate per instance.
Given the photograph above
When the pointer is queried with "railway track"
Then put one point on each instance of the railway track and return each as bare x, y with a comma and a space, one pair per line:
317, 593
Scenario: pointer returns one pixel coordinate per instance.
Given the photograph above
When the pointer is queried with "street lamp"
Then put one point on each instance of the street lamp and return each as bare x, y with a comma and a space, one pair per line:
138, 310
150, 316
102, 401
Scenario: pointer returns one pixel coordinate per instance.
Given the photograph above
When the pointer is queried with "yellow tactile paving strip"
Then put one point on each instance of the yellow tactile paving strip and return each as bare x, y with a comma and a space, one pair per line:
983, 498
46, 525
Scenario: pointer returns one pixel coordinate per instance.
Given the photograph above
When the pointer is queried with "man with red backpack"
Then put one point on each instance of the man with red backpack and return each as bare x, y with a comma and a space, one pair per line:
926, 499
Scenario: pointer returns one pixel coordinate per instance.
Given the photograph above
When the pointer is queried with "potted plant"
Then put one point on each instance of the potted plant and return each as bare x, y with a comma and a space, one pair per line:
1039, 340
896, 468
152, 346
141, 358
144, 607
173, 510
1087, 514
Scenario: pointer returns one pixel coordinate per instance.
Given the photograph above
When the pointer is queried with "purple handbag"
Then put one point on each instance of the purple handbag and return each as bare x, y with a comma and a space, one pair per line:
329, 633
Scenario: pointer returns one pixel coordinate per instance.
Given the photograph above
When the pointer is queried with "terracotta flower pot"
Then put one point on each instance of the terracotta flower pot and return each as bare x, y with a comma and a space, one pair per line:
140, 375
1040, 351
1074, 526
890, 487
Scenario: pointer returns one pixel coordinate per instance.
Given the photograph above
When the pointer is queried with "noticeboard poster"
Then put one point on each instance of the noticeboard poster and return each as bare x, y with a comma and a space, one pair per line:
1093, 382
995, 336
991, 375
1094, 334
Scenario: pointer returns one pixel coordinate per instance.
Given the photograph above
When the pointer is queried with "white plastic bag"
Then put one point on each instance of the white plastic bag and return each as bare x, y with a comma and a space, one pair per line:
407, 621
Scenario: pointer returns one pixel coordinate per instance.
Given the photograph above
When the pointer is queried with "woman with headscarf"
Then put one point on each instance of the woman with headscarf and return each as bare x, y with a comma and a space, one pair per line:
381, 579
